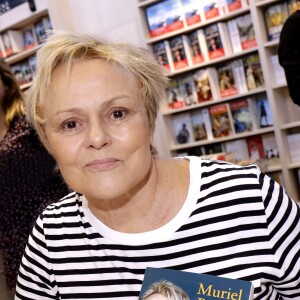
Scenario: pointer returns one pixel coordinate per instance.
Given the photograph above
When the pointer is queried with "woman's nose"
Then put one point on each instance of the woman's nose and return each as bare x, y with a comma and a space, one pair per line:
97, 135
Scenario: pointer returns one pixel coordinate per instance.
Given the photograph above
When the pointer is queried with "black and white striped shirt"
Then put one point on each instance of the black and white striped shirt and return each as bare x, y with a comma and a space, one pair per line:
236, 222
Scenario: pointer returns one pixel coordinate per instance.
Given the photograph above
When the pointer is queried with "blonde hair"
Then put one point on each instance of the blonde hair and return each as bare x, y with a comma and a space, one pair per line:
12, 104
68, 48
167, 289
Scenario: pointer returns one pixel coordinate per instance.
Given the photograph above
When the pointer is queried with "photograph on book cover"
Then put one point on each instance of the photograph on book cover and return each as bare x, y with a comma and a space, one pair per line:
174, 284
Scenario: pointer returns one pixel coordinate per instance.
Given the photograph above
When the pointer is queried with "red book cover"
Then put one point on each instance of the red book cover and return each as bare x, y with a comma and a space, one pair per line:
214, 42
255, 147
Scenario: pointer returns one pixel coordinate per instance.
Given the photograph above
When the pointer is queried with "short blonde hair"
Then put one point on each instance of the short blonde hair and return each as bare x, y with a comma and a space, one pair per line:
167, 289
68, 48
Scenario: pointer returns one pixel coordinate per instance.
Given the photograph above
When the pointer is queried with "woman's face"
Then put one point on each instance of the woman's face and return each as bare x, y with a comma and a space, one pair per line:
157, 296
97, 129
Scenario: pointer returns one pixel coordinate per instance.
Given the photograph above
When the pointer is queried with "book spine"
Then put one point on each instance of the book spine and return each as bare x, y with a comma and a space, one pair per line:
225, 37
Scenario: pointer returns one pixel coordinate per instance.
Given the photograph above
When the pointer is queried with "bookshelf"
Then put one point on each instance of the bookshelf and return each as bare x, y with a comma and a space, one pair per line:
285, 114
17, 20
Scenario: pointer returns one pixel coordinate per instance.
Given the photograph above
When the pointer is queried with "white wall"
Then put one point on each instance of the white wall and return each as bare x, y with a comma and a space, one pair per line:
116, 20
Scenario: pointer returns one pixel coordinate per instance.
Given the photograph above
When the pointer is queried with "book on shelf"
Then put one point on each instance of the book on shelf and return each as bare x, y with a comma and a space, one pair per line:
183, 130
195, 286
193, 12
239, 76
241, 115
187, 88
217, 40
221, 120
293, 146
32, 64
155, 16
193, 47
233, 5
42, 29
207, 122
253, 71
18, 73
173, 15
198, 124
213, 8
13, 42
227, 84
2, 50
278, 71
205, 85
179, 53
238, 150
161, 51
174, 96
255, 147
271, 150
264, 115
246, 31
29, 37
275, 16
293, 6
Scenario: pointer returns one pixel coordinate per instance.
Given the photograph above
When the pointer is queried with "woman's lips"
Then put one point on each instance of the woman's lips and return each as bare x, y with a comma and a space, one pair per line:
102, 164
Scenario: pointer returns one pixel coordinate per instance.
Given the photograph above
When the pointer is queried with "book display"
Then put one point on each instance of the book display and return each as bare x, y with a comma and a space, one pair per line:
21, 37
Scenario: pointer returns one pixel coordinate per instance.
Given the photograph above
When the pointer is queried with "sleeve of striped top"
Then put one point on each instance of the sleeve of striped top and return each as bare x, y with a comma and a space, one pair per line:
35, 279
283, 217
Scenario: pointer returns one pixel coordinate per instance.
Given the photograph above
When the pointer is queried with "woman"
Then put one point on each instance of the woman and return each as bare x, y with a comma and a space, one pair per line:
28, 180
94, 105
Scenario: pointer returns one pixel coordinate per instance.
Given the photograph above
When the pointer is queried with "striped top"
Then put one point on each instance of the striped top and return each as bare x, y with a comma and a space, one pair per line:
236, 222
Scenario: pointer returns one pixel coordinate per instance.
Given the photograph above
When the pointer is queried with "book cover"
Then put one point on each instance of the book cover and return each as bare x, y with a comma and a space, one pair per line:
239, 76
13, 42
263, 112
227, 83
29, 38
275, 16
183, 130
42, 29
237, 150
193, 286
155, 16
187, 88
17, 71
293, 147
207, 122
203, 85
278, 71
213, 41
211, 9
192, 12
233, 5
221, 121
241, 116
179, 54
255, 147
2, 49
173, 15
26, 70
293, 6
234, 36
198, 125
246, 32
271, 150
161, 53
32, 64
253, 71
174, 96
194, 48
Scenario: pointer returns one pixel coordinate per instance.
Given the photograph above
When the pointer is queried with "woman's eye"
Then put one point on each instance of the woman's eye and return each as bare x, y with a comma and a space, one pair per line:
119, 114
70, 125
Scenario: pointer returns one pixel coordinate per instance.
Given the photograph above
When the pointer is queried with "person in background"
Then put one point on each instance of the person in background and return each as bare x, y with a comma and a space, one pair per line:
289, 54
165, 290
28, 180
94, 104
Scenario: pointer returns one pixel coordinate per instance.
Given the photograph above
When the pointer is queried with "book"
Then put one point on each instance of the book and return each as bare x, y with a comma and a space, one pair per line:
174, 96
17, 71
32, 64
198, 125
207, 122
27, 74
29, 38
221, 121
246, 31
161, 51
253, 71
155, 17
183, 130
192, 10
238, 150
242, 119
13, 42
212, 9
203, 85
271, 150
234, 36
193, 47
2, 49
217, 40
42, 29
278, 71
275, 16
255, 147
178, 52
187, 88
173, 15
293, 147
293, 6
194, 286
263, 112
227, 83
239, 76
233, 5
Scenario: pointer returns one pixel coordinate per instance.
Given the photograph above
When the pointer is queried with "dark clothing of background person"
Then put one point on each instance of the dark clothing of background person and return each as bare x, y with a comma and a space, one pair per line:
28, 184
289, 54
